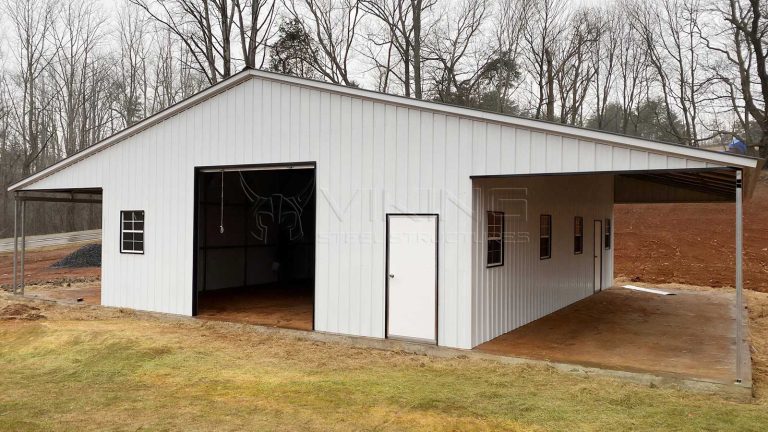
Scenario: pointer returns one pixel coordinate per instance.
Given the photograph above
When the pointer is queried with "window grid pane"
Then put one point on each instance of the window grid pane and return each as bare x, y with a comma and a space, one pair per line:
578, 235
495, 238
545, 236
132, 231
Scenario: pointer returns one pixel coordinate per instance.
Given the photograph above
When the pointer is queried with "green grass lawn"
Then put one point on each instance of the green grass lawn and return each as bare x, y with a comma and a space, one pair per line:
87, 368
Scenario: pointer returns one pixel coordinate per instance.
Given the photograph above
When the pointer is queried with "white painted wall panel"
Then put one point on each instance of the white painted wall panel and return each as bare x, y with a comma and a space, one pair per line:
373, 157
570, 152
526, 288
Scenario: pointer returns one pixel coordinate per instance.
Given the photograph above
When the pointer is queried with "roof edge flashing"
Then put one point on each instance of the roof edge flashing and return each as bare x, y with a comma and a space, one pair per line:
599, 137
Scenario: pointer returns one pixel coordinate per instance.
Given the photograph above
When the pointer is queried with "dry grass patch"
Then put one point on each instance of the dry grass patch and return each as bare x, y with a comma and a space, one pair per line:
90, 368
757, 303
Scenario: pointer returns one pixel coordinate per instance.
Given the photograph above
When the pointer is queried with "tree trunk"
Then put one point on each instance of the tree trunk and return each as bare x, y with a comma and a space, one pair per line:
417, 5
550, 114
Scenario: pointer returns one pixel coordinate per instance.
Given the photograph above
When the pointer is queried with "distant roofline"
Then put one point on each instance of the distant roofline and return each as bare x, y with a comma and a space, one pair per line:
726, 159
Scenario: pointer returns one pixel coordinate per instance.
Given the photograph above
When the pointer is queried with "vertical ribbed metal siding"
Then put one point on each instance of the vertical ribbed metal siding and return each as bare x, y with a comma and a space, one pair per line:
526, 288
372, 158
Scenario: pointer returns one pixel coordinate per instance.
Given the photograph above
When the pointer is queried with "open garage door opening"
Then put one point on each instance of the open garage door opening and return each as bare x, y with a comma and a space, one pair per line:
255, 245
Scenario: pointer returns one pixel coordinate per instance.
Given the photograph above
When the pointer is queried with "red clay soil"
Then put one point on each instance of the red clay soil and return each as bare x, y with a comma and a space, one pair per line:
692, 243
37, 266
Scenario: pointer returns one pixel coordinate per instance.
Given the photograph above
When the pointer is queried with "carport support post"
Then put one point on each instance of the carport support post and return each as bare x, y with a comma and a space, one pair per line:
739, 277
23, 244
15, 240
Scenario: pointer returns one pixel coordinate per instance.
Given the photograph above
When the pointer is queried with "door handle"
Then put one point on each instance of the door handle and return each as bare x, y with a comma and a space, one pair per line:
391, 276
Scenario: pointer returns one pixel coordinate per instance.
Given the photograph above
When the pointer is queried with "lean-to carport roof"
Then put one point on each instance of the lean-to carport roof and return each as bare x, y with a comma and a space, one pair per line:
709, 158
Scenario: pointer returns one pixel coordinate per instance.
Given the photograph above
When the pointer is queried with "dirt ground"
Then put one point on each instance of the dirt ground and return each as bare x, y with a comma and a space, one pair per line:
635, 331
266, 307
692, 243
38, 270
87, 292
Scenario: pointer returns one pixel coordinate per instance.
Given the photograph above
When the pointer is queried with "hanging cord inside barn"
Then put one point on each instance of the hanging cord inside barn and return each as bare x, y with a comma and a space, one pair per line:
221, 223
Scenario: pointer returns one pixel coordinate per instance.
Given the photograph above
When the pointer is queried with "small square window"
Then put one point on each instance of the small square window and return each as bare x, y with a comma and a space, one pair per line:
608, 234
545, 236
132, 231
578, 235
495, 241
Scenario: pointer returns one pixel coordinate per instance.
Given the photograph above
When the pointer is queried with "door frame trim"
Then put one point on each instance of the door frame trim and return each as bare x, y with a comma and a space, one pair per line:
594, 251
437, 280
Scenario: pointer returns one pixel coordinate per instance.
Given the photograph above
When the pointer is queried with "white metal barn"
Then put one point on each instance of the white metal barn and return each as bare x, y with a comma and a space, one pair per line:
404, 218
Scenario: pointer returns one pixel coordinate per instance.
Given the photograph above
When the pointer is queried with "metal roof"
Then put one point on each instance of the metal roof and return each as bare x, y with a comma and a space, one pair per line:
709, 156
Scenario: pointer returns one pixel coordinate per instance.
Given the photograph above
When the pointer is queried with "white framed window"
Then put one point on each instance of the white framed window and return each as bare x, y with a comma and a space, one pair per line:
608, 234
545, 236
495, 242
132, 231
578, 235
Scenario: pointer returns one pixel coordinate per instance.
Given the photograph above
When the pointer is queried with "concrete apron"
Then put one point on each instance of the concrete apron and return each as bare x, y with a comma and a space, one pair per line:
741, 392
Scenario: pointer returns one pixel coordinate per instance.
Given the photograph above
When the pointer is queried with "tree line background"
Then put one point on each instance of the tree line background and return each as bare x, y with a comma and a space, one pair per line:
72, 72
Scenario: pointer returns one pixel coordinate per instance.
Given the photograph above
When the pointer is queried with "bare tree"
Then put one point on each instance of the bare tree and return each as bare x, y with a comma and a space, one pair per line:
131, 85
670, 30
204, 26
573, 72
744, 73
255, 19
405, 24
632, 72
32, 20
75, 40
605, 59
546, 30
8, 155
509, 23
456, 51
333, 25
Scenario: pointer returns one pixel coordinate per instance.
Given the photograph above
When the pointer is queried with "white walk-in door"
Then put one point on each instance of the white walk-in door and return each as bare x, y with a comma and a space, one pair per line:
412, 277
597, 247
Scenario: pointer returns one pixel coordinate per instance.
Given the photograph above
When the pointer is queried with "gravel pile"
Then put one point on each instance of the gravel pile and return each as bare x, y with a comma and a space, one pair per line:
86, 256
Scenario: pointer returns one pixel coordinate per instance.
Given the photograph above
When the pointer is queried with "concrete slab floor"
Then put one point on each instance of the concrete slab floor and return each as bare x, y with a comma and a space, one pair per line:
690, 334
282, 307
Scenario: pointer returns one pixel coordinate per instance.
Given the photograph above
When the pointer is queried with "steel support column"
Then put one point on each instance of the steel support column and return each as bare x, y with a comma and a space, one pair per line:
14, 287
23, 244
739, 278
